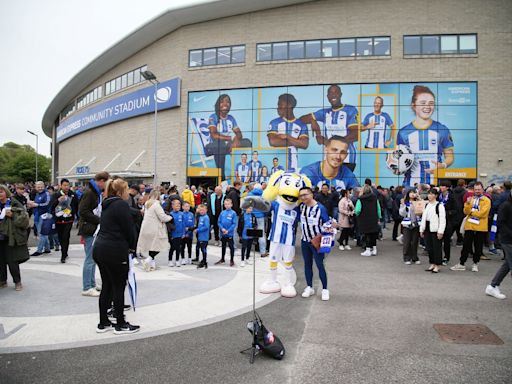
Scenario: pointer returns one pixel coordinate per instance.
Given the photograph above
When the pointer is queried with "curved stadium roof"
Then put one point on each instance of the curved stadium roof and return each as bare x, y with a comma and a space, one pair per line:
160, 26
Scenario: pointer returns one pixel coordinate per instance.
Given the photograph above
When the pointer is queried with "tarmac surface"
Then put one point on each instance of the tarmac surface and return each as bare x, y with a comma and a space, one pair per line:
376, 328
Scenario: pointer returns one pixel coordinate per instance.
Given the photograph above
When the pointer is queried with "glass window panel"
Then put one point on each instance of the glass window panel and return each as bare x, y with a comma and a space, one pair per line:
448, 44
467, 44
313, 49
124, 81
264, 52
130, 78
412, 45
238, 54
107, 88
118, 84
381, 46
296, 50
100, 91
279, 51
224, 55
430, 45
330, 48
195, 58
144, 68
364, 46
347, 47
95, 94
209, 56
136, 76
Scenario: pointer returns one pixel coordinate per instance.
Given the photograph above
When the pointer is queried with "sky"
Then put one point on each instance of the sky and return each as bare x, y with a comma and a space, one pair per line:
43, 44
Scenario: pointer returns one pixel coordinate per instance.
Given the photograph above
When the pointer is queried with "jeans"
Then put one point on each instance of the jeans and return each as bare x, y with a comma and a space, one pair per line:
506, 267
89, 270
53, 238
262, 241
44, 242
309, 253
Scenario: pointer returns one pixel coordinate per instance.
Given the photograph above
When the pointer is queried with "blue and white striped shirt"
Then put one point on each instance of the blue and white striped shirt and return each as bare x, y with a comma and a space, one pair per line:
284, 224
312, 219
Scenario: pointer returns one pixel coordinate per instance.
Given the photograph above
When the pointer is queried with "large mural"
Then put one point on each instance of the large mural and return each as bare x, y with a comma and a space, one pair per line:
339, 134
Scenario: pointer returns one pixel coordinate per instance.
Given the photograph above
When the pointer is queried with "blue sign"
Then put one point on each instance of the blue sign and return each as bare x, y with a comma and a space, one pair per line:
124, 107
82, 170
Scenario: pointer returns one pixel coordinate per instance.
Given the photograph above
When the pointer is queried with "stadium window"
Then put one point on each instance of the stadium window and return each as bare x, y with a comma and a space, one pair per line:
264, 52
440, 44
130, 78
296, 50
209, 56
364, 46
412, 45
430, 45
381, 46
329, 48
195, 58
313, 49
136, 76
224, 55
124, 81
347, 47
238, 54
280, 51
467, 44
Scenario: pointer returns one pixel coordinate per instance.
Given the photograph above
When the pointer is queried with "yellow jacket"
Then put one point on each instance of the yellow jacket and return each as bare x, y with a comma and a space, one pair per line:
188, 196
482, 214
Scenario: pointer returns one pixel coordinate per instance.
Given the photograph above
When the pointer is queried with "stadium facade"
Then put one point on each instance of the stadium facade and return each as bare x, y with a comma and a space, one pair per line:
245, 86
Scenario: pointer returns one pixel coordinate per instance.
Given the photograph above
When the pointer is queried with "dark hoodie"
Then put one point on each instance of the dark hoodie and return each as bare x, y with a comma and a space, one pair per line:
505, 221
368, 219
117, 232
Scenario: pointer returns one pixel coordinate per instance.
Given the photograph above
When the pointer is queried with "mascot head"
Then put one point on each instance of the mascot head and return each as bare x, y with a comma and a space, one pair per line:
285, 186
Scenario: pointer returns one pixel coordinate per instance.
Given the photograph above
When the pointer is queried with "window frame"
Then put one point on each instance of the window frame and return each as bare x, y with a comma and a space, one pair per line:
216, 50
440, 37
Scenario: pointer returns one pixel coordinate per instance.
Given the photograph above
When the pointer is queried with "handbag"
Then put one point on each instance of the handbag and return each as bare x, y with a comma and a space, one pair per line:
317, 241
419, 207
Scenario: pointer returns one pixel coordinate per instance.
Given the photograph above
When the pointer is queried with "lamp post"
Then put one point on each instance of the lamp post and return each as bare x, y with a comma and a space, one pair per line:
150, 76
37, 152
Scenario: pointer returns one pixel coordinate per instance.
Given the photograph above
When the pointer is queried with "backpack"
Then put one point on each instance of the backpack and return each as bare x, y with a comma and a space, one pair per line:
265, 340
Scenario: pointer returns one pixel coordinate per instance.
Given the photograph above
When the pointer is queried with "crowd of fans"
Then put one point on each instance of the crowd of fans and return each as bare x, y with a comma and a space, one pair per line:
118, 222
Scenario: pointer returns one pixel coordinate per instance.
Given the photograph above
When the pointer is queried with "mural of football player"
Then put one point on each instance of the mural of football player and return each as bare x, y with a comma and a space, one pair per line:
339, 120
243, 169
430, 141
379, 125
332, 170
288, 131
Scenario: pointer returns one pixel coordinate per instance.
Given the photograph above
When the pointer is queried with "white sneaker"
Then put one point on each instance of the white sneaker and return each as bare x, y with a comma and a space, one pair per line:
183, 262
146, 263
341, 248
98, 287
368, 252
494, 292
325, 294
152, 265
400, 239
348, 247
417, 262
474, 268
242, 264
458, 267
171, 263
135, 261
407, 263
92, 292
374, 251
308, 291
248, 262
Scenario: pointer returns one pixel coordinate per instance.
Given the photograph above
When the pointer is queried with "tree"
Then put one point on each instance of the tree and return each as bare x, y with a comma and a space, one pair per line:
18, 164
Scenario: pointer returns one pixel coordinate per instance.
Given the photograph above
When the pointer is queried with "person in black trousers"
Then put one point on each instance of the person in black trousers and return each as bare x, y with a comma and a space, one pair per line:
448, 200
64, 206
113, 243
432, 227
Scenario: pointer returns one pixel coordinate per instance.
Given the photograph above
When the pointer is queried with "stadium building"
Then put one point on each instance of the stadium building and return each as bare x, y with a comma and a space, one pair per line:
398, 91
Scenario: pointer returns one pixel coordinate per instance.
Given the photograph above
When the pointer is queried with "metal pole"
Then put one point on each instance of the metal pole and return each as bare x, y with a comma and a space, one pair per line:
37, 152
155, 135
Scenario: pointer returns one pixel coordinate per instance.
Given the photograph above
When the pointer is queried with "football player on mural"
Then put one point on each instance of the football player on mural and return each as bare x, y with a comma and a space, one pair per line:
430, 141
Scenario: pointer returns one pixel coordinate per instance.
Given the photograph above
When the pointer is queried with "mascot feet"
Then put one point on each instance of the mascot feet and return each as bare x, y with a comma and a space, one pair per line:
270, 286
288, 291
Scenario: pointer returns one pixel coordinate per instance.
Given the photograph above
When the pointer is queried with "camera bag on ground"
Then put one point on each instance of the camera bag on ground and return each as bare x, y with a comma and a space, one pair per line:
265, 340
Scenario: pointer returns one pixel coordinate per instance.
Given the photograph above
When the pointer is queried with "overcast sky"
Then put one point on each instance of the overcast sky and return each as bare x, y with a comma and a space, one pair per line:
43, 44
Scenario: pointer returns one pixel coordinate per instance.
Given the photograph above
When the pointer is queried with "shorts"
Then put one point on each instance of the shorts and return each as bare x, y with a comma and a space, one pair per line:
281, 252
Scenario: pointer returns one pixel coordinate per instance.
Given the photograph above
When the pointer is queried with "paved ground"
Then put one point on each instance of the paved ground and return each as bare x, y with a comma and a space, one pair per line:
377, 328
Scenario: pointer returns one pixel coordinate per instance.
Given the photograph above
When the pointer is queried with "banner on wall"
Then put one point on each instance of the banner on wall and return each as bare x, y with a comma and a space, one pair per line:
120, 108
338, 134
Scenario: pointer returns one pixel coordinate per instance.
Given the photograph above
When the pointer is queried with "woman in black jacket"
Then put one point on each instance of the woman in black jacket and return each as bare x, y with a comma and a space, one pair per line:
368, 216
116, 237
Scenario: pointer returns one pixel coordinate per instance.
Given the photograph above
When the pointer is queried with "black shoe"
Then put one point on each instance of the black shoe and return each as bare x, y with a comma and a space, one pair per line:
102, 328
63, 259
126, 329
47, 251
200, 265
220, 262
36, 253
57, 249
